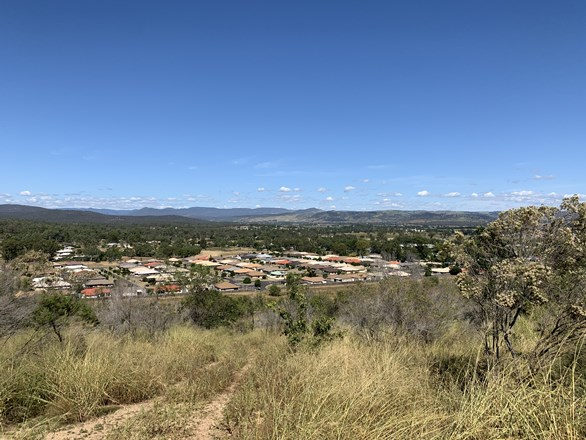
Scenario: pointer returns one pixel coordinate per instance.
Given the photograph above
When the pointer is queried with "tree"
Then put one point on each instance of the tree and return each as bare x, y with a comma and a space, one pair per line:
199, 278
56, 310
209, 308
299, 325
274, 290
532, 262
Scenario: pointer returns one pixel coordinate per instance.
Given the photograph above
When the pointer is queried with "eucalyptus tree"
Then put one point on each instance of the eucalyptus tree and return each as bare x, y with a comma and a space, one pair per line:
530, 262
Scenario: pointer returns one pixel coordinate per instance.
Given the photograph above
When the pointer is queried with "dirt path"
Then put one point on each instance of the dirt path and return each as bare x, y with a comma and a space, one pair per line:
208, 426
204, 425
96, 429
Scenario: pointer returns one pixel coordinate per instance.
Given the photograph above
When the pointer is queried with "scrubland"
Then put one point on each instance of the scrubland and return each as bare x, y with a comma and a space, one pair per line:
370, 380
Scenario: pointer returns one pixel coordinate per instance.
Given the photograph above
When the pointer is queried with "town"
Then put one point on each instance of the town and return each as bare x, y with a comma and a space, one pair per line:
232, 271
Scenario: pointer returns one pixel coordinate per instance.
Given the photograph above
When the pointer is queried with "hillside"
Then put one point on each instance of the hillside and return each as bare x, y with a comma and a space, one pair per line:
395, 217
33, 213
310, 216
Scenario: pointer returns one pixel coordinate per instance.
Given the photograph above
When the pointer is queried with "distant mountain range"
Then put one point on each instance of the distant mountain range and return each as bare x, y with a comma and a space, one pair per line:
34, 213
202, 213
311, 216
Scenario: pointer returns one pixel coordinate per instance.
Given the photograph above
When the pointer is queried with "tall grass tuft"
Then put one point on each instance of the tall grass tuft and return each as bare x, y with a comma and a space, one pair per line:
89, 373
389, 389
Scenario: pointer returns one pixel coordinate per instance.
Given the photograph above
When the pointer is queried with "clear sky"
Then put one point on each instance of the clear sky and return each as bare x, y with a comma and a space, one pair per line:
467, 105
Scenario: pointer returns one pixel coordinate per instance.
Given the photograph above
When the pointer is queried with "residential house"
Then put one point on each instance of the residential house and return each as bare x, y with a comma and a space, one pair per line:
226, 287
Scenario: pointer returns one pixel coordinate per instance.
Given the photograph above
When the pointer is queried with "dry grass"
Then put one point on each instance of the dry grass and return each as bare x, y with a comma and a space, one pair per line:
95, 372
390, 389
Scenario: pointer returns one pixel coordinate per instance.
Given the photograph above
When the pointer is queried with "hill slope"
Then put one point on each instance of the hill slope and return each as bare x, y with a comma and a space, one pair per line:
252, 216
414, 218
34, 213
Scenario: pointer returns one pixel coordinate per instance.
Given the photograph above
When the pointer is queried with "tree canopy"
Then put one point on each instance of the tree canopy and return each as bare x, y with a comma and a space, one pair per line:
531, 261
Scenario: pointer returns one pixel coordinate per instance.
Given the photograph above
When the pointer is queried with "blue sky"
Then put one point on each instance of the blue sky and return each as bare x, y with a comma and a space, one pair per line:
365, 105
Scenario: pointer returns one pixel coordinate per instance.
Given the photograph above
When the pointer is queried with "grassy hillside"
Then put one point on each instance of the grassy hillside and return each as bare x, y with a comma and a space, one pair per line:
390, 386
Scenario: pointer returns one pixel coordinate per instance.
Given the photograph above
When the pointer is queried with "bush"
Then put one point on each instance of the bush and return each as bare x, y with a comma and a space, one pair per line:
274, 290
210, 309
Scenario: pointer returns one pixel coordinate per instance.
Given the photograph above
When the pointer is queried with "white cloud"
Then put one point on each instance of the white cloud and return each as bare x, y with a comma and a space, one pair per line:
284, 189
321, 190
522, 193
452, 194
423, 193
392, 194
365, 180
489, 194
388, 203
349, 188
261, 189
329, 199
540, 177
474, 194
296, 189
293, 198
25, 193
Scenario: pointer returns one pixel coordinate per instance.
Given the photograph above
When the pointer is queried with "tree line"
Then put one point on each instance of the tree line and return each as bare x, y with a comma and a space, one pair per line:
182, 240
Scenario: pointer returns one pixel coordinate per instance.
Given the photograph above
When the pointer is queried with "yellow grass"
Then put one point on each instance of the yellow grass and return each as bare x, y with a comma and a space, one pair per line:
388, 387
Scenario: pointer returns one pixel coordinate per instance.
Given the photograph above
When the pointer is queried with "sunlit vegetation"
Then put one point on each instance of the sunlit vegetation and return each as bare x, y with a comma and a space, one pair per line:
496, 351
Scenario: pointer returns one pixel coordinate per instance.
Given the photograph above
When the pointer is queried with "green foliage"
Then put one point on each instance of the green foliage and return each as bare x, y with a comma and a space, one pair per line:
427, 272
16, 245
200, 278
274, 290
298, 326
162, 240
54, 311
210, 308
455, 270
